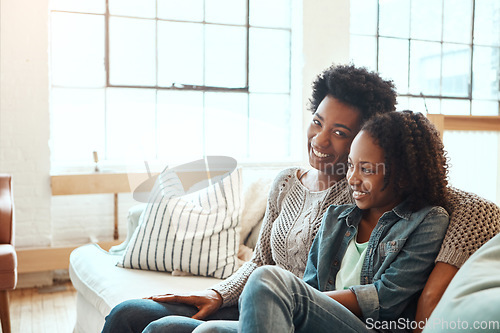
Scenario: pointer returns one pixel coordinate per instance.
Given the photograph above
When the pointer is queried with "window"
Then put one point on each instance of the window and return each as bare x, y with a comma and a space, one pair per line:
170, 80
443, 55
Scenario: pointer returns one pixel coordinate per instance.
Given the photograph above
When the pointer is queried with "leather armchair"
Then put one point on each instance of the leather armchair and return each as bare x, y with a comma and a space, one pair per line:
8, 257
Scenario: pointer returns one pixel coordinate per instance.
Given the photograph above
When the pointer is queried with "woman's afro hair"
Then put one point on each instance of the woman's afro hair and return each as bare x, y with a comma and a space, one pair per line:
354, 86
415, 161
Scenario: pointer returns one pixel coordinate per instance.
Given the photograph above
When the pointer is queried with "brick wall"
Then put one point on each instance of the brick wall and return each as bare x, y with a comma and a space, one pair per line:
24, 116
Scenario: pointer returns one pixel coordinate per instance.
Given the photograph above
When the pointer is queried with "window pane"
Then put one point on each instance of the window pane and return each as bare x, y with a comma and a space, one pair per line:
466, 148
226, 124
402, 103
485, 108
485, 79
180, 55
394, 18
363, 51
226, 11
457, 21
455, 107
456, 70
487, 22
225, 56
180, 115
426, 19
269, 122
76, 125
77, 50
425, 105
132, 52
393, 62
185, 10
269, 60
143, 8
425, 68
130, 120
363, 17
264, 13
81, 6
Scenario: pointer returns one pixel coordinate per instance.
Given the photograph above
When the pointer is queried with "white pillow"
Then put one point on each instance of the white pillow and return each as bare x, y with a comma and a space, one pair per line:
197, 233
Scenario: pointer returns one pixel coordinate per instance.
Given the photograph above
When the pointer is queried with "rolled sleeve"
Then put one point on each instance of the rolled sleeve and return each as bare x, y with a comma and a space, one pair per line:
367, 296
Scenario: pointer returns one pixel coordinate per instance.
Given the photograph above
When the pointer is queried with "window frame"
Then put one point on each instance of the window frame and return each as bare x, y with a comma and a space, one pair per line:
246, 90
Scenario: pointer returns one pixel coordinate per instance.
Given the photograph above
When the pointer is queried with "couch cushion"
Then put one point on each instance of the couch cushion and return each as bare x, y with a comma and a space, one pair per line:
473, 296
96, 277
197, 233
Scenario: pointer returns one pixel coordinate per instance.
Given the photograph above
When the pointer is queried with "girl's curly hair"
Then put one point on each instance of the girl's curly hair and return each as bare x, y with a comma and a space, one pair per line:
415, 159
355, 86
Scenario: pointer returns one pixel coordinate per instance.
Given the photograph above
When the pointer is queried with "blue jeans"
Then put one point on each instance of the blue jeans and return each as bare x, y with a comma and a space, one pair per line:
275, 300
144, 315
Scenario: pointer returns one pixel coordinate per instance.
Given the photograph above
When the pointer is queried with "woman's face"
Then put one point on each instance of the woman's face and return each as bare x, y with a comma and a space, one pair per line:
332, 129
366, 175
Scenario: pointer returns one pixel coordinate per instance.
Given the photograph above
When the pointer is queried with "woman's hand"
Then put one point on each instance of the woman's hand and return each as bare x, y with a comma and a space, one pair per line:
207, 301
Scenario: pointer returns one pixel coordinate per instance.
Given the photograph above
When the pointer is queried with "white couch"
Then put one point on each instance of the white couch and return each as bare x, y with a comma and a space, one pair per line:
101, 285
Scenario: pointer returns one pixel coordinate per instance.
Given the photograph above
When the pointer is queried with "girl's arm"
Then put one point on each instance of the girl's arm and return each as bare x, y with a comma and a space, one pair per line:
405, 277
347, 299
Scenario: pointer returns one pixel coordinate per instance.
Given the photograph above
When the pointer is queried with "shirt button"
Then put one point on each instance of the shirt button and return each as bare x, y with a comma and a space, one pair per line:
330, 282
335, 263
347, 234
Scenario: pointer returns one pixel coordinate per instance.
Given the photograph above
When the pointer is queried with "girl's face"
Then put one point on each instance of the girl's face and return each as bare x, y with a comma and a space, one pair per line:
330, 134
366, 170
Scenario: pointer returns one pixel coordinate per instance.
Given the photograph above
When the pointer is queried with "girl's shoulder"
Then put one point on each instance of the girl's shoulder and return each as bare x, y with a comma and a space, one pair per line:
437, 211
336, 212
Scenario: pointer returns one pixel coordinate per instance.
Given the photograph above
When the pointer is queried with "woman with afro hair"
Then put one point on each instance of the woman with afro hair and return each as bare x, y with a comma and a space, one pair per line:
369, 261
343, 98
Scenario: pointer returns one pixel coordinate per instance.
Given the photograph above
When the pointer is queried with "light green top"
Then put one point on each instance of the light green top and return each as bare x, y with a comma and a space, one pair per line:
350, 268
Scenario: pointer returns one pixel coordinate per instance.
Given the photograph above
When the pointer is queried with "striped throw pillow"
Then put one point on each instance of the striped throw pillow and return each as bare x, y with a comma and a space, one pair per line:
196, 233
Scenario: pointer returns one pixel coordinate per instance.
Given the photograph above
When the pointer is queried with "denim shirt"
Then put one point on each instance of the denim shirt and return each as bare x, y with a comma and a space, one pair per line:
399, 258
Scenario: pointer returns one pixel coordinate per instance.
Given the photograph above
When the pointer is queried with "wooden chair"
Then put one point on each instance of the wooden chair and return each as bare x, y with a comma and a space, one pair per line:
8, 257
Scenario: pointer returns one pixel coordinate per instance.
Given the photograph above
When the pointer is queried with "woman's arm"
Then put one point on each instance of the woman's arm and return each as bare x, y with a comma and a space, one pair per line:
227, 292
435, 287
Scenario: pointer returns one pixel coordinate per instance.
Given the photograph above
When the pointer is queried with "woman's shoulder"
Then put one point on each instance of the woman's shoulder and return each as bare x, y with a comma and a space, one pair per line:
282, 183
287, 173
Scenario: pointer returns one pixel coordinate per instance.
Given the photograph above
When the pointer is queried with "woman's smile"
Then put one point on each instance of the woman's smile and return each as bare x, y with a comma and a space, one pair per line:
320, 154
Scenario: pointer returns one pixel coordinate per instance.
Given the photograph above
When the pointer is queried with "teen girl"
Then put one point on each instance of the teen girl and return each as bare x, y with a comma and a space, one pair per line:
369, 261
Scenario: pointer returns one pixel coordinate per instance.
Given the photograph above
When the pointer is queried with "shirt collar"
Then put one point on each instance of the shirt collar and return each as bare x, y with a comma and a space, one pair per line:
402, 210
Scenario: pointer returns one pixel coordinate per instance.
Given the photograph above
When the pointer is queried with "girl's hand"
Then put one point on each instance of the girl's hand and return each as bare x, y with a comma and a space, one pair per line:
207, 301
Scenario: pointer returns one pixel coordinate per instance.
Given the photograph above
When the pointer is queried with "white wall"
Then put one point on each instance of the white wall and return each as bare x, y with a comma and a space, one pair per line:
325, 41
24, 115
43, 220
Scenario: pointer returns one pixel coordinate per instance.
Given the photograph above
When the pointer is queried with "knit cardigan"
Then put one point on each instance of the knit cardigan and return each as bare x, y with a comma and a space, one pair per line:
293, 216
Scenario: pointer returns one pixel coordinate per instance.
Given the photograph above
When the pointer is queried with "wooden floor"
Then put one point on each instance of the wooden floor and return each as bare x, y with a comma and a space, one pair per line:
43, 310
